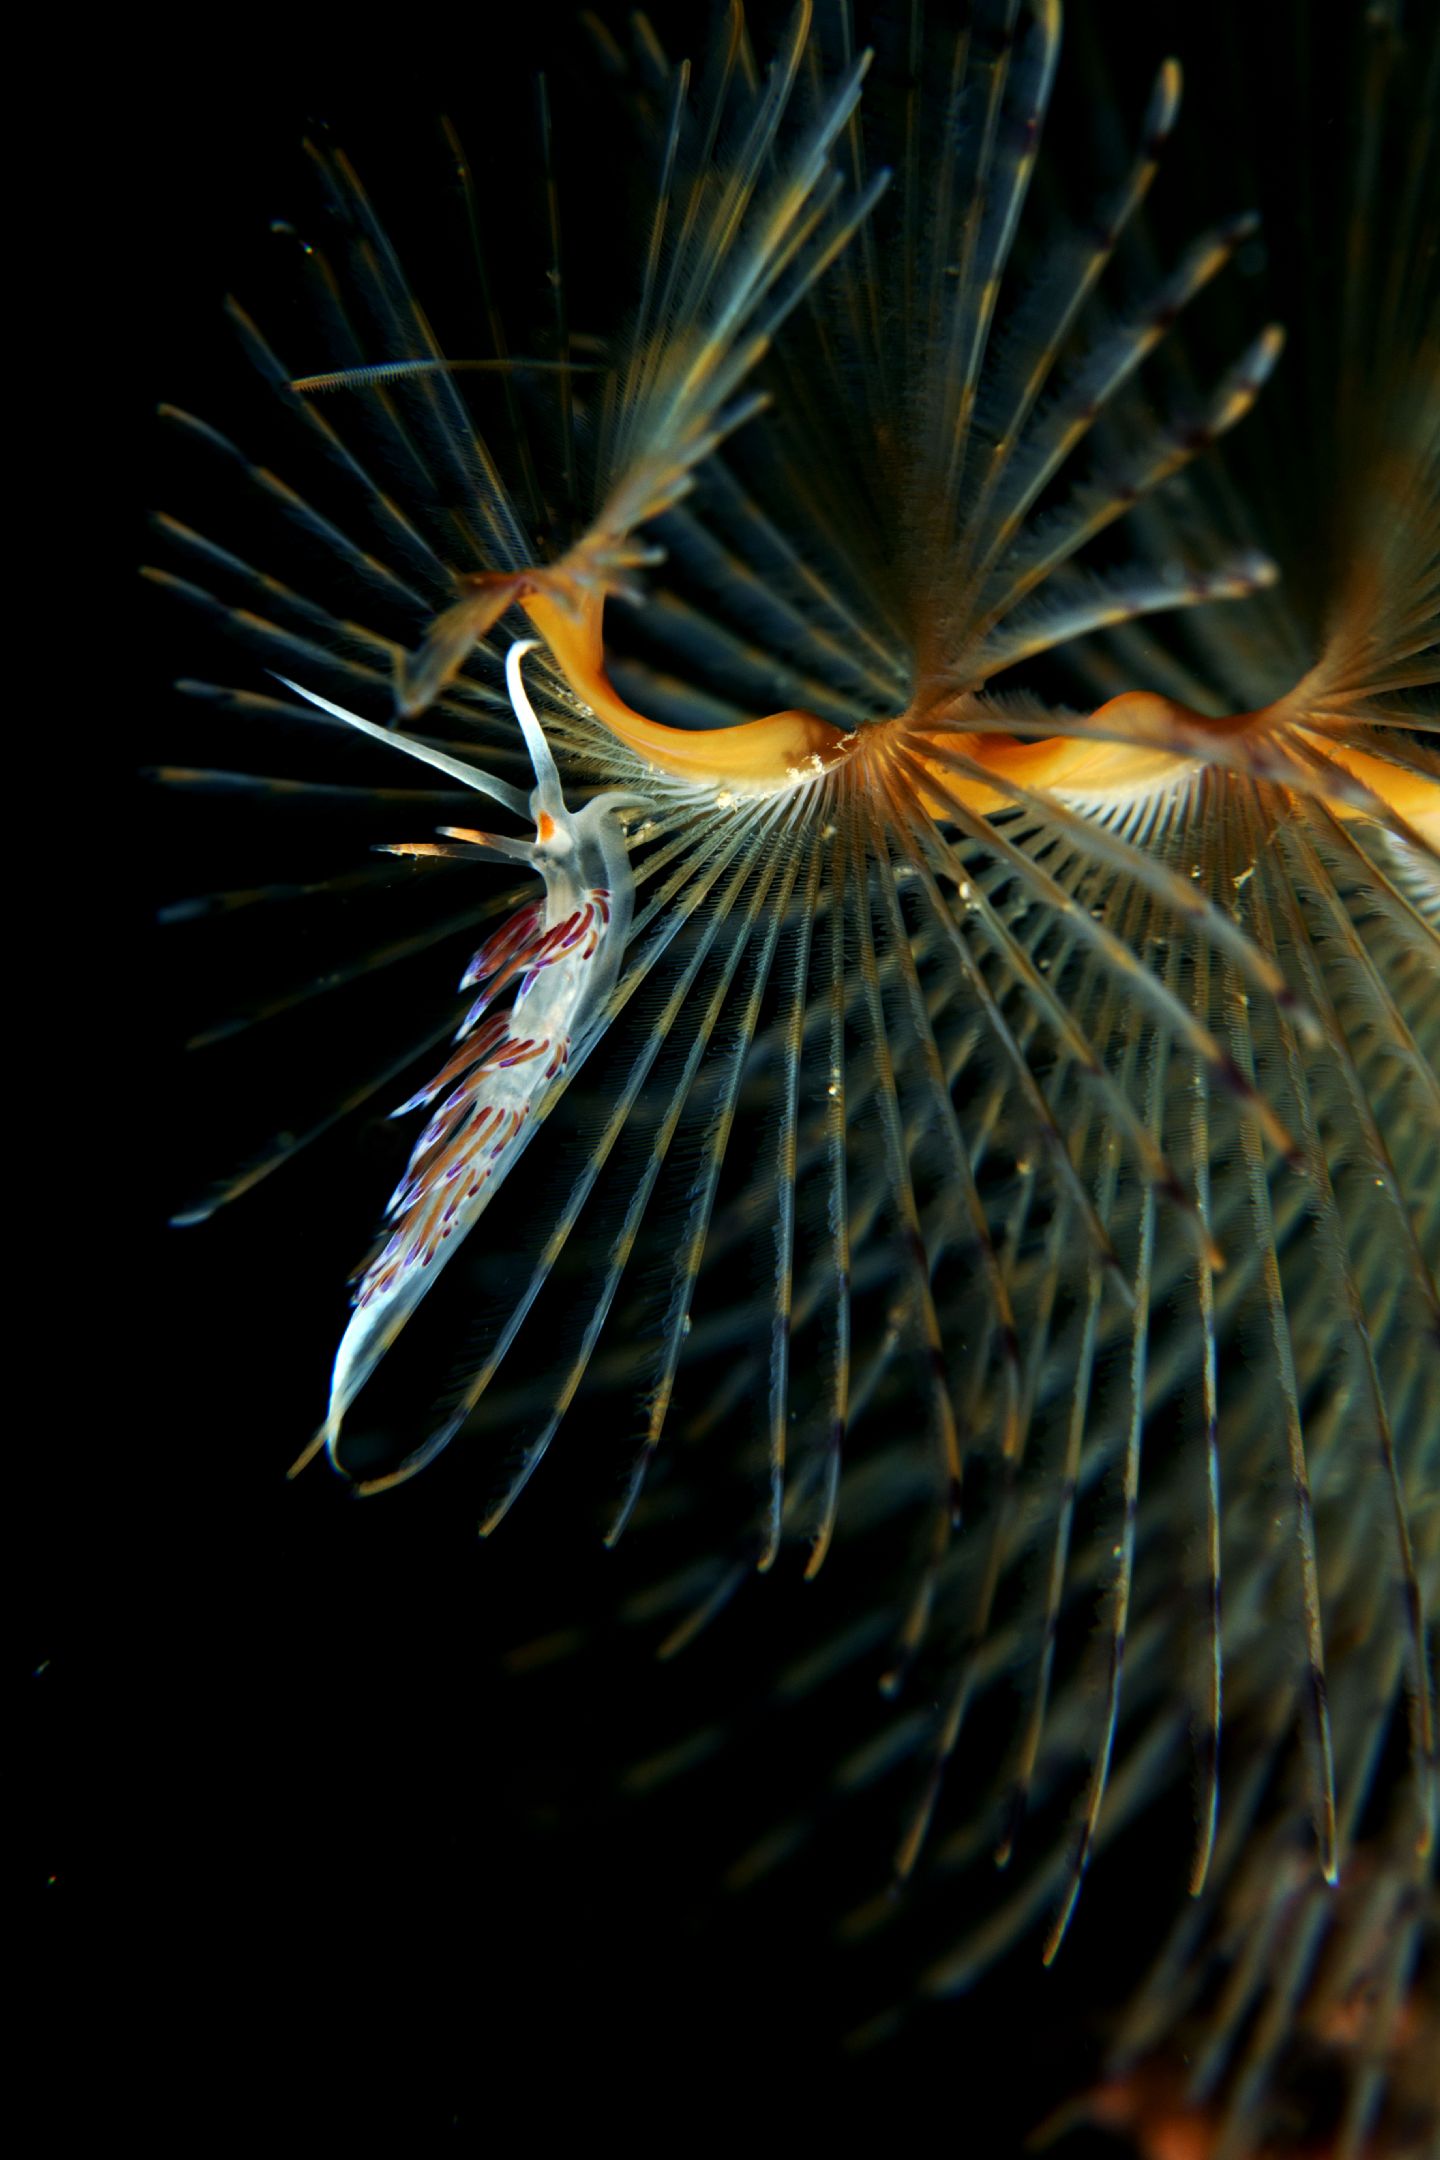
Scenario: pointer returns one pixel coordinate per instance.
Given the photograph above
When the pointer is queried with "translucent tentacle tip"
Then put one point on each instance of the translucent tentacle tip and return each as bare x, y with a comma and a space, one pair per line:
558, 830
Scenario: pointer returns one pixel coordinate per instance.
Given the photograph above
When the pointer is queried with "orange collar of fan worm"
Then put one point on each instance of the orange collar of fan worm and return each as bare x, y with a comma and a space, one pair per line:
759, 756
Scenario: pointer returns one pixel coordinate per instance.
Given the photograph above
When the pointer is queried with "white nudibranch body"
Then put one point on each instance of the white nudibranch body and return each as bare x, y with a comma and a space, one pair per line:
564, 950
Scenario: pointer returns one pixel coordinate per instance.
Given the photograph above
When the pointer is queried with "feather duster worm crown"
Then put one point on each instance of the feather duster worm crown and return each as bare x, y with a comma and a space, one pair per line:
968, 1062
